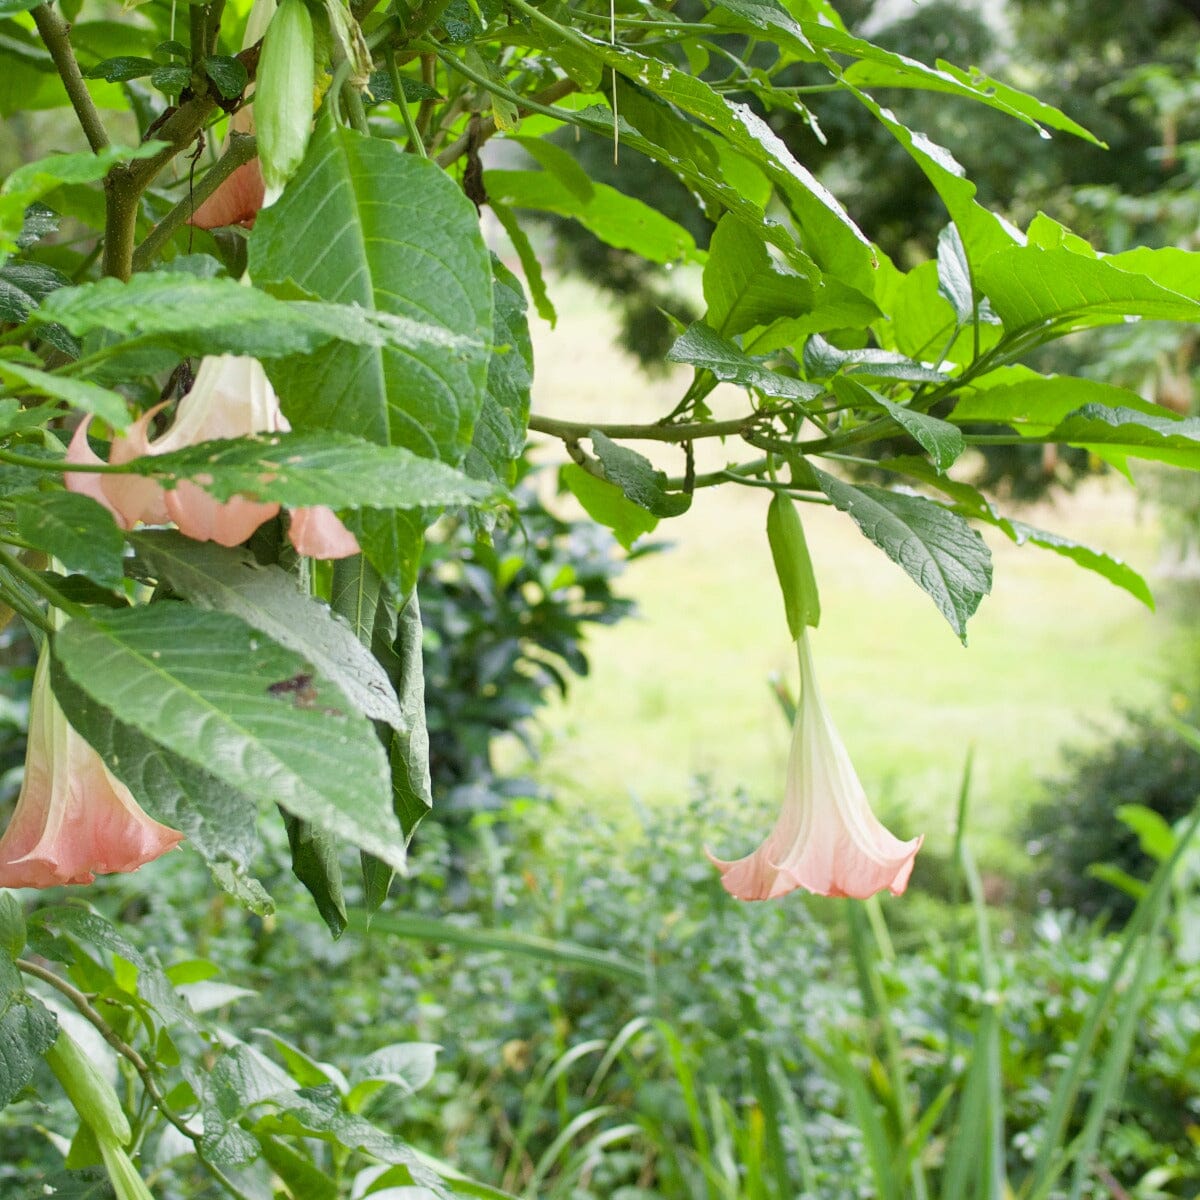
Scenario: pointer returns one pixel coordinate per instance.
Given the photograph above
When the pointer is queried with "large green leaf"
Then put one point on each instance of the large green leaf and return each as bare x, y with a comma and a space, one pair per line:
704, 349
935, 546
301, 469
616, 219
363, 223
1030, 286
637, 477
267, 598
255, 715
606, 503
743, 287
219, 822
27, 1030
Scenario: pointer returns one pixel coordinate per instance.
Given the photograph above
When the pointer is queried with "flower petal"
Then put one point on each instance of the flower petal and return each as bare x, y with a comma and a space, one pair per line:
132, 497
318, 533
205, 519
74, 819
84, 483
236, 200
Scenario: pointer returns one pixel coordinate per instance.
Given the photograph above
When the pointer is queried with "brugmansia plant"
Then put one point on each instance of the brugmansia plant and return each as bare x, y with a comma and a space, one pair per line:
253, 342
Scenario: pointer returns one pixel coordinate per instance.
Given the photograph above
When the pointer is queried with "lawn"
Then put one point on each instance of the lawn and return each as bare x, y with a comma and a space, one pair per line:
682, 691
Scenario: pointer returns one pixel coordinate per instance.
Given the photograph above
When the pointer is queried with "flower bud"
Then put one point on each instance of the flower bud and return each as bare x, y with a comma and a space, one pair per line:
90, 1094
283, 95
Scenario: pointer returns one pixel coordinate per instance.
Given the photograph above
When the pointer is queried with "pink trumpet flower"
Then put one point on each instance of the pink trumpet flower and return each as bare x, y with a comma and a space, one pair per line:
74, 819
826, 840
230, 398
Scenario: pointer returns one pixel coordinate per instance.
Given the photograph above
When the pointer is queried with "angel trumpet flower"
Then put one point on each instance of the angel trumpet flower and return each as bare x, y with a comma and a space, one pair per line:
74, 819
827, 839
230, 398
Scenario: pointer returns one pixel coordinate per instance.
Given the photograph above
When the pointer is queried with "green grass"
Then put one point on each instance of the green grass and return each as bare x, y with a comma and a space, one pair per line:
1053, 652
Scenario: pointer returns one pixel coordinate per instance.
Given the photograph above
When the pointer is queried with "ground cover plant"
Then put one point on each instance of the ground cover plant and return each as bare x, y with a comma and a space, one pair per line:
255, 347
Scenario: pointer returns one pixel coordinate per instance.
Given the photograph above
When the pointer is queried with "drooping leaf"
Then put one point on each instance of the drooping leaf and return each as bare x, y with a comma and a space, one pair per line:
943, 441
75, 529
529, 261
500, 431
606, 503
267, 599
303, 469
27, 1030
316, 864
364, 223
703, 348
954, 274
255, 715
640, 481
616, 219
822, 360
1112, 569
936, 547
411, 787
219, 821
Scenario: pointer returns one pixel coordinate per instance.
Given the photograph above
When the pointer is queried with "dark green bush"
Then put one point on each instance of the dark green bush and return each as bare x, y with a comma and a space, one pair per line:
1075, 825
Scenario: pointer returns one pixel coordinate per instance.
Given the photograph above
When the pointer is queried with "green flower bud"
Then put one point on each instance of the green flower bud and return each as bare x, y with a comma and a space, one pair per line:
90, 1094
283, 94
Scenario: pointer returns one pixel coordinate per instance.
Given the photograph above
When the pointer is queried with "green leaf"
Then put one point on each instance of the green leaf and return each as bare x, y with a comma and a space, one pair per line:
743, 287
529, 261
412, 792
822, 360
267, 599
943, 441
1033, 404
10, 8
27, 1030
12, 926
303, 469
363, 223
793, 565
616, 219
315, 863
561, 163
122, 68
936, 547
24, 285
1112, 569
1162, 438
219, 821
1155, 836
195, 315
172, 79
703, 348
1030, 286
606, 503
76, 530
954, 275
79, 393
227, 73
223, 696
499, 438
637, 478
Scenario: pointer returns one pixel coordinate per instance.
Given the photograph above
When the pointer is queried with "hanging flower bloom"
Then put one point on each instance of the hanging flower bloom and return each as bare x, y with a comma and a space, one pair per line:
74, 819
230, 398
827, 839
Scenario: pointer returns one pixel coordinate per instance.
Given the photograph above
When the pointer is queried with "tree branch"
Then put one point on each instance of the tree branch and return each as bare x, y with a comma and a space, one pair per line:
54, 30
487, 127
242, 148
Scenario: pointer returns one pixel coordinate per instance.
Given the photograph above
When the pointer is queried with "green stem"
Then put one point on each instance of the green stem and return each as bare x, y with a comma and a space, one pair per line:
574, 430
242, 148
416, 143
33, 581
20, 604
86, 1010
54, 32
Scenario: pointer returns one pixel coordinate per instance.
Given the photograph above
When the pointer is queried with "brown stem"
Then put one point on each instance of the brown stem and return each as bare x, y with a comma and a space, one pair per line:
487, 127
54, 32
